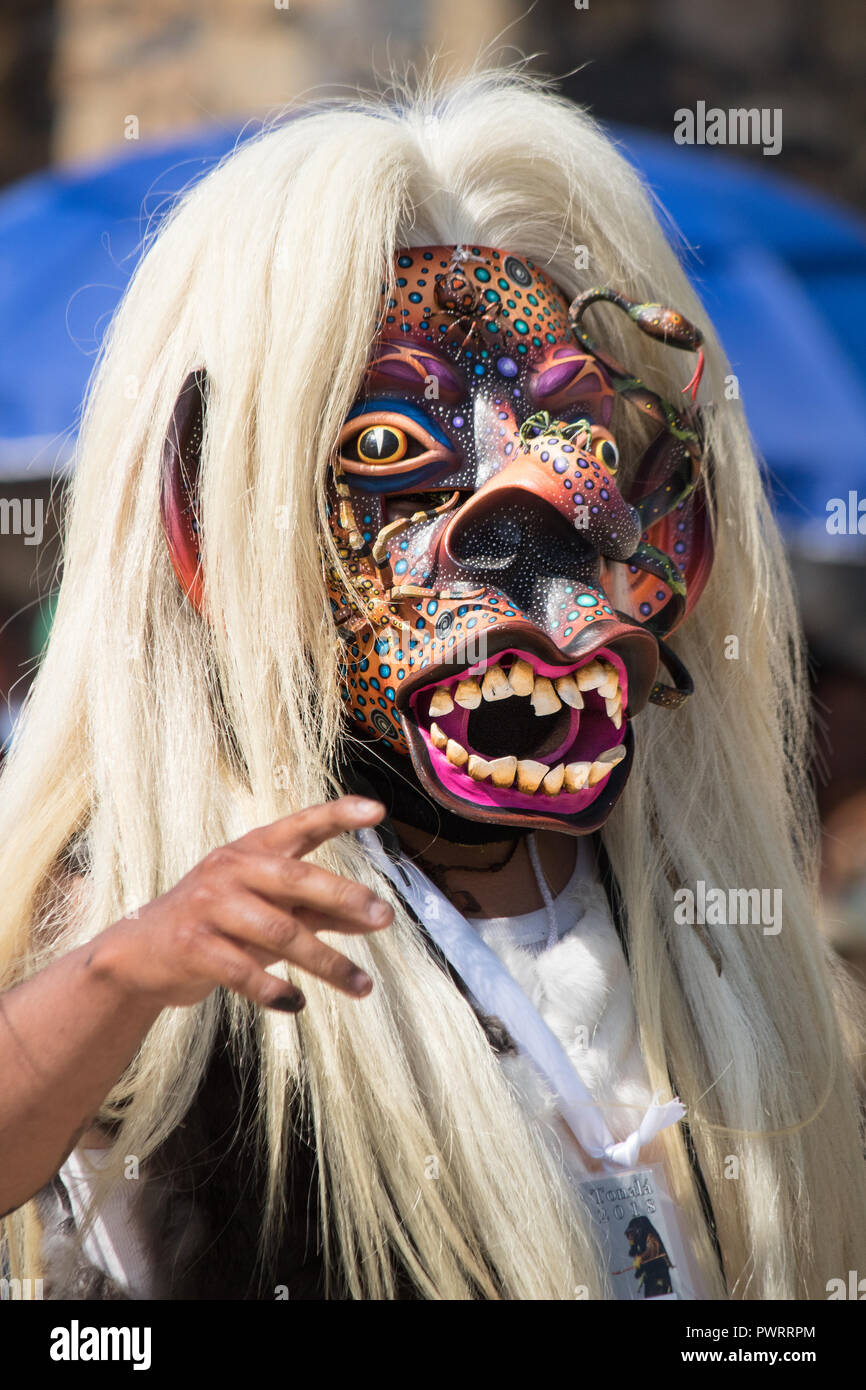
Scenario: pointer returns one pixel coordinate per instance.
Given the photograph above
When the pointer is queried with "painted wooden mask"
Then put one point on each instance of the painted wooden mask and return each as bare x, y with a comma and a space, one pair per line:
502, 606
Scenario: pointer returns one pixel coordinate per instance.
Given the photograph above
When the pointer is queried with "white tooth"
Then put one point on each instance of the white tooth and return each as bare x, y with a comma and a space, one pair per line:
614, 705
441, 703
576, 775
437, 738
502, 771
552, 783
521, 678
568, 690
455, 752
605, 763
495, 685
530, 775
616, 719
591, 676
610, 686
468, 694
544, 698
478, 768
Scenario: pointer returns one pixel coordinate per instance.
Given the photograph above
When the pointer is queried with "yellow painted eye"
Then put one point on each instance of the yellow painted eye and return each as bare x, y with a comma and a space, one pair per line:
382, 444
607, 453
389, 443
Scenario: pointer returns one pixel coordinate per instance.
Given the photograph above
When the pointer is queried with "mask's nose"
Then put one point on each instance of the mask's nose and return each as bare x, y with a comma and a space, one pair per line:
517, 543
525, 534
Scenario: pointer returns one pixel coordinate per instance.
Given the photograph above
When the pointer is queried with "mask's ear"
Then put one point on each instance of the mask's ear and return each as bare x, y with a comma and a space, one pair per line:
181, 461
671, 489
670, 493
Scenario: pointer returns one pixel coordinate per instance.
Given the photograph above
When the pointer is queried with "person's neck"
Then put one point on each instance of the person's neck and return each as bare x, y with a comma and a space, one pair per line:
494, 879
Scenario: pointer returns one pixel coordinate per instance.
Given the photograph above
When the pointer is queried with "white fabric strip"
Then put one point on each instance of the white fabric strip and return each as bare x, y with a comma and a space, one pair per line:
498, 993
111, 1242
97, 1244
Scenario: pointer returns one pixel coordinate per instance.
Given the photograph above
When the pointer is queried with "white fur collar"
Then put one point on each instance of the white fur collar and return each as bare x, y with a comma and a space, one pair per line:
582, 988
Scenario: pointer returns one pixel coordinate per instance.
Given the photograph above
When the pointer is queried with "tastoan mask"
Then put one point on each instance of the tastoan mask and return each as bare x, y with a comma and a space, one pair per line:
476, 509
502, 604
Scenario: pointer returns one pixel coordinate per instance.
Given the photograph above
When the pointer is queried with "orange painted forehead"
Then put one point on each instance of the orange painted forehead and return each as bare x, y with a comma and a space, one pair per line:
502, 297
470, 316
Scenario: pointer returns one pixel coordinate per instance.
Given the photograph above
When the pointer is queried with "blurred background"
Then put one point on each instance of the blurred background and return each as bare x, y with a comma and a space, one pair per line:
109, 108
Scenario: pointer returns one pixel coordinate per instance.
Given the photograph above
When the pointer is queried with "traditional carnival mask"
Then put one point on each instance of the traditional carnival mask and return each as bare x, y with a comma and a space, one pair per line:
475, 506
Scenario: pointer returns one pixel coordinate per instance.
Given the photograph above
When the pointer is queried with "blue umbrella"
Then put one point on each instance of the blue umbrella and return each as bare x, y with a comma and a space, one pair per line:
69, 241
782, 273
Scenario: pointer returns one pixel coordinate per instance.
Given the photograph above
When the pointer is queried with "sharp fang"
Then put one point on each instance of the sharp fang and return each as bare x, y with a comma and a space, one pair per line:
616, 719
530, 775
544, 698
478, 768
495, 685
568, 690
455, 752
605, 763
468, 694
552, 783
613, 705
441, 703
437, 737
502, 771
521, 677
609, 688
591, 676
576, 775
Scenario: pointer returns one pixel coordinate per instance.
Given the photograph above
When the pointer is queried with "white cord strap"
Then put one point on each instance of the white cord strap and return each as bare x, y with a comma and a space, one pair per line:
547, 896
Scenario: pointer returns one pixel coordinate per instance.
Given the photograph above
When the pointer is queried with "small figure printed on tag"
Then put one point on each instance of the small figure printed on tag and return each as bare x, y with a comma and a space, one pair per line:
650, 1259
635, 1217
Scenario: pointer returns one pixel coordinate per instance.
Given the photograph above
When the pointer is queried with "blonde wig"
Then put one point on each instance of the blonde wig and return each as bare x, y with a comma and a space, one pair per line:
152, 736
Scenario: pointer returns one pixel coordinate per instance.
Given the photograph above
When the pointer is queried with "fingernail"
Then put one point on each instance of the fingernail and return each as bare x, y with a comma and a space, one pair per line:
379, 912
289, 1003
362, 807
359, 983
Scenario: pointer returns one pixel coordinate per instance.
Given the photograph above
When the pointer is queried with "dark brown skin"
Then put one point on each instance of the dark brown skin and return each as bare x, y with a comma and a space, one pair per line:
508, 891
69, 1032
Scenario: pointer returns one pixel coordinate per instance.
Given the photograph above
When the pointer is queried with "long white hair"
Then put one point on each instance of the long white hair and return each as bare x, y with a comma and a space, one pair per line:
152, 736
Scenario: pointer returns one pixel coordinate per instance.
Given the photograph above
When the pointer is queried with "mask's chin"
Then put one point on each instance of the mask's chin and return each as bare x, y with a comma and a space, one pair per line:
517, 742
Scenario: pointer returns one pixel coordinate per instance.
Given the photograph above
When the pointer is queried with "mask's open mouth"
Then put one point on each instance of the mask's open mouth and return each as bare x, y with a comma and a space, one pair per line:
514, 735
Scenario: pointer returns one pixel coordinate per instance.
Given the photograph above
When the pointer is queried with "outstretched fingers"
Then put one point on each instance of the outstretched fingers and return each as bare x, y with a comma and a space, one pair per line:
229, 965
304, 831
252, 921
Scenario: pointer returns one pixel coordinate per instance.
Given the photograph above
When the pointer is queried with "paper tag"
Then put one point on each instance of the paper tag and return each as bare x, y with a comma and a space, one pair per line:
636, 1223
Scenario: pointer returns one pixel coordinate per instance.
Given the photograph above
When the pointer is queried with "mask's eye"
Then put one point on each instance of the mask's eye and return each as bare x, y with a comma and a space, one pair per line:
378, 445
382, 444
607, 453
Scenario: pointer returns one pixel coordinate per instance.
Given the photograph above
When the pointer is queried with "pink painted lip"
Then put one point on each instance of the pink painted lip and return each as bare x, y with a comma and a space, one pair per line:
590, 732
